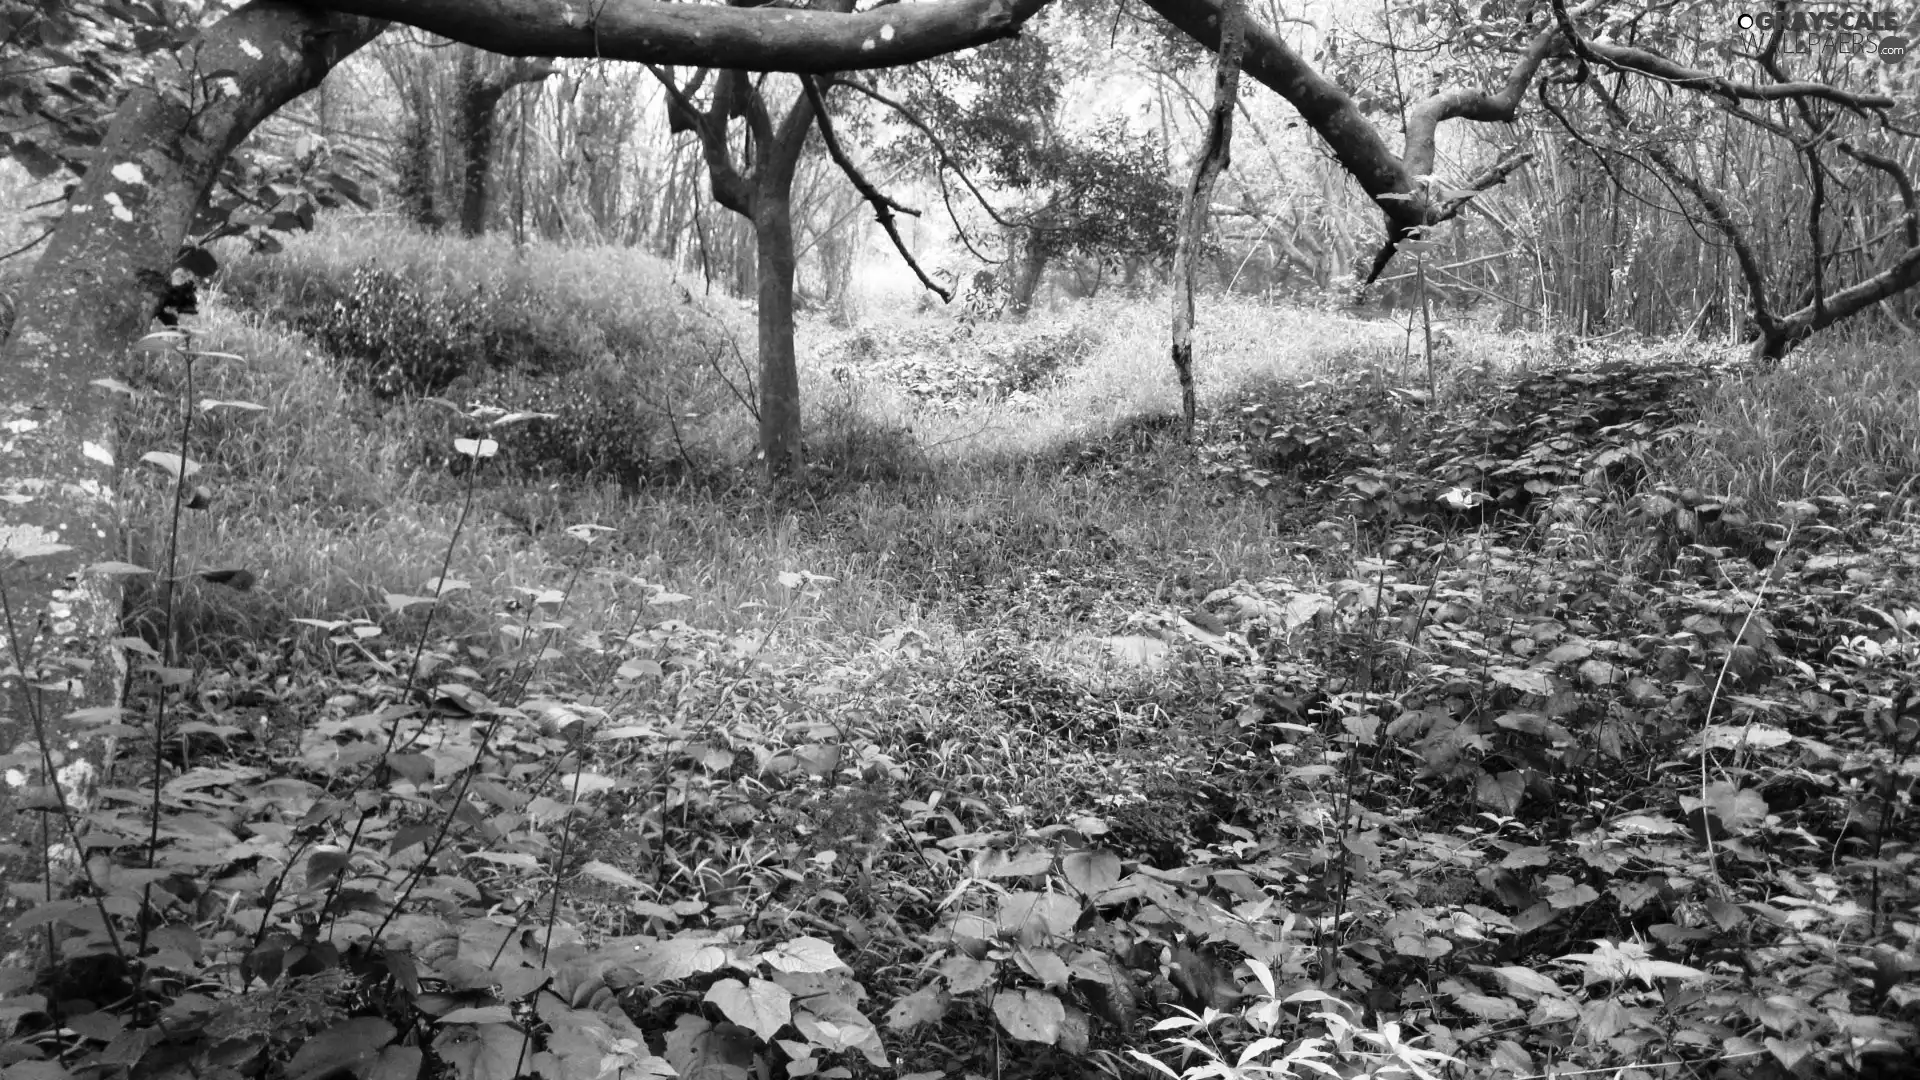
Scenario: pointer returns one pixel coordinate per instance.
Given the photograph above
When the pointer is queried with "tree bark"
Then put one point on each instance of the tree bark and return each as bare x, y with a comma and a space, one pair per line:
776, 157
93, 294
1215, 155
1028, 267
1327, 109
780, 428
761, 192
480, 94
772, 38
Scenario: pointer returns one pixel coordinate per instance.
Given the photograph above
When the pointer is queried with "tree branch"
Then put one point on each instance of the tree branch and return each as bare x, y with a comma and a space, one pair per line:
1472, 103
730, 189
946, 158
1654, 66
754, 39
883, 207
1330, 111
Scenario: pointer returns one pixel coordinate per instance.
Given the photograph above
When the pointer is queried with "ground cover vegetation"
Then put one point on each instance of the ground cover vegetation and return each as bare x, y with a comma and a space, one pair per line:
1489, 652
1559, 720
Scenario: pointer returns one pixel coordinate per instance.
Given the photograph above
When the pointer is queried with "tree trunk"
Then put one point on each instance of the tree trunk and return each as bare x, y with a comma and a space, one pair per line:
418, 182
1024, 277
1214, 158
779, 370
480, 95
92, 295
477, 100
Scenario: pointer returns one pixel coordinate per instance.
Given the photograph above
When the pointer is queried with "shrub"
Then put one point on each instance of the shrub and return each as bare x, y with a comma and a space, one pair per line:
394, 339
594, 427
630, 367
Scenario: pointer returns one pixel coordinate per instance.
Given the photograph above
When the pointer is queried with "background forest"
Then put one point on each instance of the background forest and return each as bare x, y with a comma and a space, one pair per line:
1508, 672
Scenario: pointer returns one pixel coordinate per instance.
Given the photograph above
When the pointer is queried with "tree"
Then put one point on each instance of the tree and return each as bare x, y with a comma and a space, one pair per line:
760, 189
109, 269
1215, 155
111, 266
483, 82
997, 118
1522, 42
111, 263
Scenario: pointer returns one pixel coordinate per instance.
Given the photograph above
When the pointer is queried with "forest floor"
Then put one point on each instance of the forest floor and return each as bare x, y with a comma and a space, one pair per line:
1553, 716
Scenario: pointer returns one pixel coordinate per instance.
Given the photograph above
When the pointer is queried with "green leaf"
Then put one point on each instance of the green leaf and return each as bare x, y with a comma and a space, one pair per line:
1044, 965
345, 1045
481, 1052
845, 1031
35, 1070
238, 579
995, 863
479, 1014
924, 1006
757, 1005
1739, 810
1030, 1015
174, 464
1037, 916
1091, 872
1529, 982
657, 961
1538, 683
101, 1026
1500, 792
395, 1063
802, 954
965, 974
117, 569
1789, 1053
612, 875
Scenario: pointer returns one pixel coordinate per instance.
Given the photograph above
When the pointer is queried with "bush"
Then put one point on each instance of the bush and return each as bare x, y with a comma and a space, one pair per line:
395, 340
1501, 446
603, 339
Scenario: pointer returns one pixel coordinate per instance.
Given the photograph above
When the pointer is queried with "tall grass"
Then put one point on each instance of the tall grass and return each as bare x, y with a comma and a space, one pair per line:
1838, 419
328, 497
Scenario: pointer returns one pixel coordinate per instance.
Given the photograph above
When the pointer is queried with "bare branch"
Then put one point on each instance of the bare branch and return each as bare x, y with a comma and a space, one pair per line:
1472, 103
947, 160
1626, 58
730, 189
1326, 108
883, 207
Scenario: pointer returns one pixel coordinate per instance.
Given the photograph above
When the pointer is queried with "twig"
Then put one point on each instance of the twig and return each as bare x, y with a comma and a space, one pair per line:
883, 207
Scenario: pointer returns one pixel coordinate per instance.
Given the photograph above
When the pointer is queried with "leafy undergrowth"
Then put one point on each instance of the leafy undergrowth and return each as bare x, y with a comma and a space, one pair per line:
943, 365
633, 379
1606, 781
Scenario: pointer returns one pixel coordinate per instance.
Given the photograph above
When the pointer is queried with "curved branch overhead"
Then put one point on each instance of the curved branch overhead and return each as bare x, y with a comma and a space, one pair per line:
749, 39
1326, 108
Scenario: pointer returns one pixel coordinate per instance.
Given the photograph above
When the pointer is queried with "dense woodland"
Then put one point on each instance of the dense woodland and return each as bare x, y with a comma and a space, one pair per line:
962, 538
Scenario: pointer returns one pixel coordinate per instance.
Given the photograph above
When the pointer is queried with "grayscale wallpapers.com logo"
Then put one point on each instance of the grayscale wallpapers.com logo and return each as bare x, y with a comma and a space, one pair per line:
1851, 31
